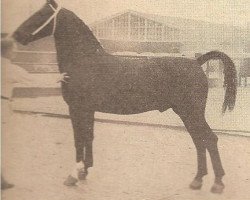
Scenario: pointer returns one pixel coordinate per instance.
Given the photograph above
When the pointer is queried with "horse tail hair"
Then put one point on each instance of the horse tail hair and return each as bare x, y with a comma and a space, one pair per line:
230, 77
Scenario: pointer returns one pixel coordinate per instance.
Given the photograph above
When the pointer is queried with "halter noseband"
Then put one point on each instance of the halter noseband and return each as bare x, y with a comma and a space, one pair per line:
56, 11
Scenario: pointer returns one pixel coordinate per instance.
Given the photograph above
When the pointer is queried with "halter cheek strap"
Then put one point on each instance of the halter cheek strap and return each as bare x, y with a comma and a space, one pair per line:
52, 17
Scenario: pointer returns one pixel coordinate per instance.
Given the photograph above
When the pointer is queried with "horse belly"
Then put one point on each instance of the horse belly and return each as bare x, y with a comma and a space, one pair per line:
128, 103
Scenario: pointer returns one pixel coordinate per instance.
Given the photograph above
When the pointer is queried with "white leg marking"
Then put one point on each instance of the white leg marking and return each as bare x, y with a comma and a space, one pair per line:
78, 166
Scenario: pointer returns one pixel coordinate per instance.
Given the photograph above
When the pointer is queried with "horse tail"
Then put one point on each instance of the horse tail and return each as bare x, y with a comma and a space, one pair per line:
230, 77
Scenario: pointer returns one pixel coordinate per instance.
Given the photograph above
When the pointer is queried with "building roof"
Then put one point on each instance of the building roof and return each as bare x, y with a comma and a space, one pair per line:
143, 15
173, 22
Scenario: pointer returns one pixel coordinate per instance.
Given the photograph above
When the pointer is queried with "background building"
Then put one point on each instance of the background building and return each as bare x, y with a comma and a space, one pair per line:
131, 29
134, 31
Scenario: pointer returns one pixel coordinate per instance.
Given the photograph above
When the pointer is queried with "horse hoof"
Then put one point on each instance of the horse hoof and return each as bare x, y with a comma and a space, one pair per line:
196, 184
70, 181
217, 188
82, 174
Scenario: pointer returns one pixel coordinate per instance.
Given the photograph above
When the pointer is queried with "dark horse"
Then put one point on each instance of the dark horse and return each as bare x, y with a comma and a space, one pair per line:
127, 85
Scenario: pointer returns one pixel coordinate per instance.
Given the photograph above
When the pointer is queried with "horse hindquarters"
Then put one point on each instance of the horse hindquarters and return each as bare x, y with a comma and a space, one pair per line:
191, 109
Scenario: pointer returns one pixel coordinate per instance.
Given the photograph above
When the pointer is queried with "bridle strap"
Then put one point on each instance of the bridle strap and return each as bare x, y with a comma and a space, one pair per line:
54, 16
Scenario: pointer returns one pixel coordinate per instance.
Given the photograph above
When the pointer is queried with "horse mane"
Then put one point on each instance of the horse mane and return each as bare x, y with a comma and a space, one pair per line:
73, 37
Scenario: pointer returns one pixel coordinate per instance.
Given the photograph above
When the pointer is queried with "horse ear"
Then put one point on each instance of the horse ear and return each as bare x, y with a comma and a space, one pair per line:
53, 3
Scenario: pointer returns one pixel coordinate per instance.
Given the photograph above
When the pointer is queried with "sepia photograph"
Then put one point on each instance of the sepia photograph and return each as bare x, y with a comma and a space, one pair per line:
125, 100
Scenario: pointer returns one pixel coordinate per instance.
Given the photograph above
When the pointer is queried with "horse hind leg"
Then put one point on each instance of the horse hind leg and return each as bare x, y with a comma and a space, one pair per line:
196, 184
204, 138
211, 144
201, 153
204, 134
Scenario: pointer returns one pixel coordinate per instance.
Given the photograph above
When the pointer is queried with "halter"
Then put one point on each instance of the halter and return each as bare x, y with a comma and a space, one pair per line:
52, 17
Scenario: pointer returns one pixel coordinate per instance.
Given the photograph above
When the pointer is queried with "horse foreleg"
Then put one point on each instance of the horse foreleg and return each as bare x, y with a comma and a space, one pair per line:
83, 123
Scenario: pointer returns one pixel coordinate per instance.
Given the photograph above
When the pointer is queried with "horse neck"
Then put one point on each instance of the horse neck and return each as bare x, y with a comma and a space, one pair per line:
73, 37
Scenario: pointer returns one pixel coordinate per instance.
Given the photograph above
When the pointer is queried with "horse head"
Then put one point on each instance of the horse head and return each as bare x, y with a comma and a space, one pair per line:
41, 24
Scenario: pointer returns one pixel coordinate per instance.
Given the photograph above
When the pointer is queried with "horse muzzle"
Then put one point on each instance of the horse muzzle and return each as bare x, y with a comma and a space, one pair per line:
22, 37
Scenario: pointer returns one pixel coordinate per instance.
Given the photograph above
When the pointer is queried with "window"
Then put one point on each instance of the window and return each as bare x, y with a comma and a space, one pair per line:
137, 27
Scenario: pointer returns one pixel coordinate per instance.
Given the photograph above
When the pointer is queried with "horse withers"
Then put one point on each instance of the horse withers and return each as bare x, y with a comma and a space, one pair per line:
128, 85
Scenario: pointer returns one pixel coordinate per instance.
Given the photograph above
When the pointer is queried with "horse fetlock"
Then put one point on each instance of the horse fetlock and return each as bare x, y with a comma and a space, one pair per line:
200, 176
218, 179
82, 173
